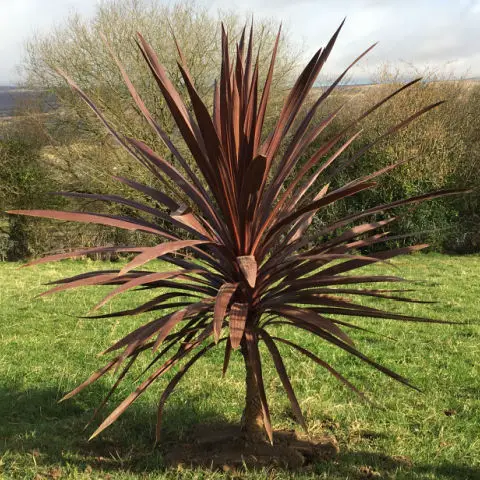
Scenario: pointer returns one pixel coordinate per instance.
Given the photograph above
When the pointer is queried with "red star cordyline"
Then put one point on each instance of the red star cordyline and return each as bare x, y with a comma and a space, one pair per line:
244, 217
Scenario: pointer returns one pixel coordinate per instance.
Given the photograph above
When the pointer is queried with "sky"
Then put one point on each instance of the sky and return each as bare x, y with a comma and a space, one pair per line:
413, 34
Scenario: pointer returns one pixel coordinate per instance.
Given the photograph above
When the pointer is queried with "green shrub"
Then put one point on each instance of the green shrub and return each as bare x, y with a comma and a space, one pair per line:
444, 150
24, 182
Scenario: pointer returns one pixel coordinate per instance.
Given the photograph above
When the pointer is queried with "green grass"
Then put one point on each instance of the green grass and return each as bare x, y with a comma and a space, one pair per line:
45, 350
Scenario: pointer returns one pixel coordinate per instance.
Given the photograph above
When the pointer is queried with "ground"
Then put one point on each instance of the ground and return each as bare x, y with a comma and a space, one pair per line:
45, 351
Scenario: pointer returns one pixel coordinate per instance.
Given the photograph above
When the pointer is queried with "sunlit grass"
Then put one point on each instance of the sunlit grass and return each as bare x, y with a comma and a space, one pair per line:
45, 350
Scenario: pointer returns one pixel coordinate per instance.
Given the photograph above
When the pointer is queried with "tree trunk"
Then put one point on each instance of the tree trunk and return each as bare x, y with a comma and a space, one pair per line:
252, 419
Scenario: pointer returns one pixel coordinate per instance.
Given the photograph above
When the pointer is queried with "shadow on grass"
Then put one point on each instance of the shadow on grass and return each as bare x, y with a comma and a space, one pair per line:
35, 429
34, 424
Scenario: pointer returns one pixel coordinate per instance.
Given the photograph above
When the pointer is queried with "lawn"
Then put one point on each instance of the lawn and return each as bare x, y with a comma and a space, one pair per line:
45, 350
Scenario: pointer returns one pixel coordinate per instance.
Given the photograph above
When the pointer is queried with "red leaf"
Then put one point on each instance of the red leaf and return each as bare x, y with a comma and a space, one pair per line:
109, 220
248, 266
224, 295
151, 253
238, 318
141, 280
282, 373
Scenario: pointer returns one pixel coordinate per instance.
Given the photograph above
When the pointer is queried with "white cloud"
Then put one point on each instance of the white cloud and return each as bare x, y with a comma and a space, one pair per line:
421, 32
425, 33
19, 19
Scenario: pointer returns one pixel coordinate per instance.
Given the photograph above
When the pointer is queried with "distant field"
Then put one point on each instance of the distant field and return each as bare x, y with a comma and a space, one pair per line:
11, 98
45, 351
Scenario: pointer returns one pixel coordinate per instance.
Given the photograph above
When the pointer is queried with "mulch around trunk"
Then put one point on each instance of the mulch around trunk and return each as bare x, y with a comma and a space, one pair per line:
221, 447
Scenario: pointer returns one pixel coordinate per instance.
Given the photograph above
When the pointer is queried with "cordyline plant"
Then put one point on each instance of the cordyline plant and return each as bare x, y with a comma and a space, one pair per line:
243, 216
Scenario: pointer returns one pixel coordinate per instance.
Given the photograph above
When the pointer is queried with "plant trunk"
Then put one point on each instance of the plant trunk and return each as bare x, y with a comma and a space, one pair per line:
252, 419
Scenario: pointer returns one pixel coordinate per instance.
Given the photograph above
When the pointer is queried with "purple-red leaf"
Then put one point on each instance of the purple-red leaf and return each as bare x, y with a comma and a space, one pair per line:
110, 220
248, 266
238, 318
282, 373
224, 296
151, 253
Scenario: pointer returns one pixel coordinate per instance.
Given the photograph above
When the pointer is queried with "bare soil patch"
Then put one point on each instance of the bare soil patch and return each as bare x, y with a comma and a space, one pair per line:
222, 447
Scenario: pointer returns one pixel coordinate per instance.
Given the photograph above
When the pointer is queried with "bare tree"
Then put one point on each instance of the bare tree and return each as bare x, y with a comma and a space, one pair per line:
76, 48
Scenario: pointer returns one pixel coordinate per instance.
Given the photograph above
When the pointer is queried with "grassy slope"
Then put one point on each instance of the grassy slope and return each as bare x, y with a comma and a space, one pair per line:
45, 350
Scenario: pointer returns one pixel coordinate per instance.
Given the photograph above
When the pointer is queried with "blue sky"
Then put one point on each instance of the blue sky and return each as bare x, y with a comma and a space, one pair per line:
442, 34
